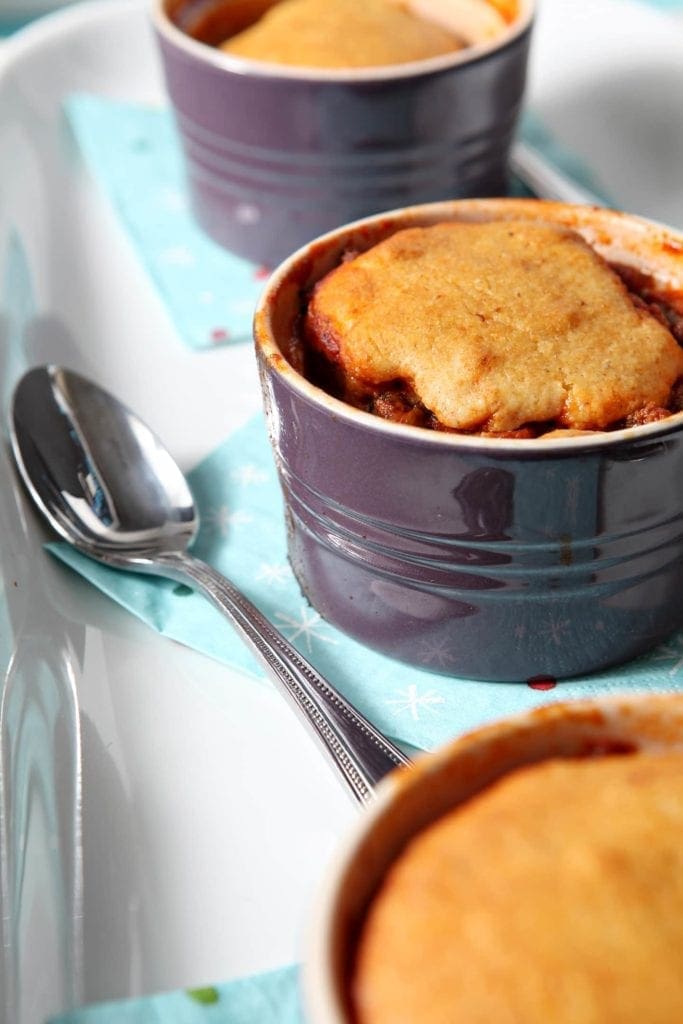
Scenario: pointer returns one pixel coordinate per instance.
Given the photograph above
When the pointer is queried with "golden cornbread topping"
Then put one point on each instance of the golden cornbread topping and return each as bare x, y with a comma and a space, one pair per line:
498, 328
342, 34
553, 897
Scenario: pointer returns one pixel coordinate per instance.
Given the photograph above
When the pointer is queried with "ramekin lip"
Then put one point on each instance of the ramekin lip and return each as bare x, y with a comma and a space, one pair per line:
533, 447
249, 68
543, 714
319, 990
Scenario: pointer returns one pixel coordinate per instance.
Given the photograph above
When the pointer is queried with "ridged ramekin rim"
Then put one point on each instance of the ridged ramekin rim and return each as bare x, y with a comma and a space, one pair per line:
247, 68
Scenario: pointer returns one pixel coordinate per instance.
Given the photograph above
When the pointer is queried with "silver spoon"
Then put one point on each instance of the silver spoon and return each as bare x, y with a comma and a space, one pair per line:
106, 484
545, 180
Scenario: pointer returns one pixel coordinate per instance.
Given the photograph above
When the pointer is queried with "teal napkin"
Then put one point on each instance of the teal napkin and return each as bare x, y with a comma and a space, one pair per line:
133, 154
270, 998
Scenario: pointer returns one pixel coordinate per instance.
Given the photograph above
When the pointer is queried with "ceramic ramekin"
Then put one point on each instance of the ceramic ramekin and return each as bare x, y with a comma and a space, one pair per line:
481, 558
277, 155
411, 799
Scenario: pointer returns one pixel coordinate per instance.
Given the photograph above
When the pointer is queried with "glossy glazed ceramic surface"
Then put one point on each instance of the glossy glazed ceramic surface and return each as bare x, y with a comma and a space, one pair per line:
511, 559
411, 800
275, 158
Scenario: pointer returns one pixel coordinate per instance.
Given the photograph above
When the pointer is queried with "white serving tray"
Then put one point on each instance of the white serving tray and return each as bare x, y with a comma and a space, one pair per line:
164, 821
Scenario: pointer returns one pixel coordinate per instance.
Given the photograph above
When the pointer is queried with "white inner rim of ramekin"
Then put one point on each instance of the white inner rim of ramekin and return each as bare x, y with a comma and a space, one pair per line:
265, 69
521, 447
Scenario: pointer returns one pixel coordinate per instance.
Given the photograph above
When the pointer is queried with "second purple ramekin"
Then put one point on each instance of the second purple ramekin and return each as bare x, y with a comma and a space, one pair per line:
275, 155
479, 557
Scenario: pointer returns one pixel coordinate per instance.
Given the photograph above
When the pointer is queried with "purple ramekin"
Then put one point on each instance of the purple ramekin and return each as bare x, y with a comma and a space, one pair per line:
478, 557
275, 155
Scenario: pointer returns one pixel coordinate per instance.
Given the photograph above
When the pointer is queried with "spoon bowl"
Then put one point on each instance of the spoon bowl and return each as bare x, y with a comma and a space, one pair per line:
98, 474
106, 485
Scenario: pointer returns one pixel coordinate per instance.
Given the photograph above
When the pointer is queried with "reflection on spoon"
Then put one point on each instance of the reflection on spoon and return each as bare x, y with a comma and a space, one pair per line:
106, 485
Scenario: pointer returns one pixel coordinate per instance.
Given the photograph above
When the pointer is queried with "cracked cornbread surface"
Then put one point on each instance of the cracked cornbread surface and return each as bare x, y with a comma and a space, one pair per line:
553, 897
341, 34
495, 325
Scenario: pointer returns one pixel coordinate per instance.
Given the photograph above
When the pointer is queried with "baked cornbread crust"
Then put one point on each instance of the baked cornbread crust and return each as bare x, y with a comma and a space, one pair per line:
341, 34
495, 325
554, 897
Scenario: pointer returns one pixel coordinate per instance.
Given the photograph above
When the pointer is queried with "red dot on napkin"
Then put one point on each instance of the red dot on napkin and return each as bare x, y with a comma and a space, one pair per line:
542, 683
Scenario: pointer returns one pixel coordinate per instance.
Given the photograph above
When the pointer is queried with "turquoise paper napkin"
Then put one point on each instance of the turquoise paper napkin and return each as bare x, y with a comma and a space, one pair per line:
270, 998
133, 154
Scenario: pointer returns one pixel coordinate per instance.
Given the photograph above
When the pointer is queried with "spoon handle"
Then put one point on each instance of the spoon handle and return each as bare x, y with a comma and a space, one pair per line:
546, 180
360, 753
